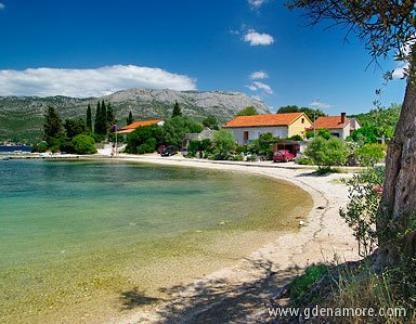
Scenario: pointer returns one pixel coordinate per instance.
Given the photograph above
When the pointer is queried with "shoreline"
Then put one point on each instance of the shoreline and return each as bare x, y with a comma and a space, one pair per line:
258, 277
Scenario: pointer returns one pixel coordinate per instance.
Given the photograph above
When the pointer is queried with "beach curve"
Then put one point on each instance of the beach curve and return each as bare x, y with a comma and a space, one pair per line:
245, 290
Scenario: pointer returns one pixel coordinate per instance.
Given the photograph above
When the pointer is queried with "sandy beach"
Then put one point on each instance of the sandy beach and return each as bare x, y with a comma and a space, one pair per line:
243, 292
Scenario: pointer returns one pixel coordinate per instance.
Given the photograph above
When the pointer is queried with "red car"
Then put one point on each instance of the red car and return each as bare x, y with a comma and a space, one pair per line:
283, 156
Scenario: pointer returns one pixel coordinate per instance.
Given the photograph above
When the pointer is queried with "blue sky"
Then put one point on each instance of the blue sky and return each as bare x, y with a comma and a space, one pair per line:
91, 47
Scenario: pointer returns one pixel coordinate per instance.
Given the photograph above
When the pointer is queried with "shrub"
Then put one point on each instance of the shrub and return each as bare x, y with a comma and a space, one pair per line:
370, 154
84, 144
302, 284
148, 136
365, 193
327, 153
224, 144
304, 160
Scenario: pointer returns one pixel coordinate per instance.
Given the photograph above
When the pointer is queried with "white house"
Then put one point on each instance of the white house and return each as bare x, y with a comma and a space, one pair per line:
339, 126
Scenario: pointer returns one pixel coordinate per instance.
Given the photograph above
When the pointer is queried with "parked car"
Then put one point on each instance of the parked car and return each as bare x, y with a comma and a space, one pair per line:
169, 150
283, 156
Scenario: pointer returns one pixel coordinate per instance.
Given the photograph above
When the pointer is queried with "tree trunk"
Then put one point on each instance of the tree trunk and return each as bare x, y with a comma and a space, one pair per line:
396, 221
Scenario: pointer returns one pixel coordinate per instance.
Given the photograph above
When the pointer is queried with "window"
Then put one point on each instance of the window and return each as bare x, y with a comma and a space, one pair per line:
302, 120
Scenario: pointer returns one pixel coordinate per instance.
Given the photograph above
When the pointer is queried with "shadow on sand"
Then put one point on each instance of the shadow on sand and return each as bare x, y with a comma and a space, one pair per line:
218, 300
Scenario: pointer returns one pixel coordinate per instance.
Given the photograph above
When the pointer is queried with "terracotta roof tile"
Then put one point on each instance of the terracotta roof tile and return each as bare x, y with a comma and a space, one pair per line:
330, 122
263, 120
136, 124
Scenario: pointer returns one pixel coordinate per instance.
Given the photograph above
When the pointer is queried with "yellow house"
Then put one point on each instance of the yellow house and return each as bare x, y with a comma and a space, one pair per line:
248, 128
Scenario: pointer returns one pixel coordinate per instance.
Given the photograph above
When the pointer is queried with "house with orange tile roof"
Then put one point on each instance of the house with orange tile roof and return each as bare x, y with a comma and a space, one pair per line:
139, 123
249, 128
340, 126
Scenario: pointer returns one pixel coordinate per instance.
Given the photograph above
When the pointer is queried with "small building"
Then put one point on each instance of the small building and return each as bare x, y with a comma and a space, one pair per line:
339, 126
249, 128
139, 123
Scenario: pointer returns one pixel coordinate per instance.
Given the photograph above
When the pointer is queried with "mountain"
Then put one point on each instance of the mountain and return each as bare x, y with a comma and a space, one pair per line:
21, 118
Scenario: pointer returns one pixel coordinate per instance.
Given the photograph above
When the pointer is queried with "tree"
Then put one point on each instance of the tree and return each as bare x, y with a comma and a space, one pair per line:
144, 139
100, 125
52, 129
89, 119
211, 122
248, 111
75, 126
310, 112
84, 144
129, 119
387, 26
176, 110
110, 118
326, 153
97, 118
224, 144
175, 128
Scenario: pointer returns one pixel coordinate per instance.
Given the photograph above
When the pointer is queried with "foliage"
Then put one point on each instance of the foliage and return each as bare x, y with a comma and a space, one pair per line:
302, 284
40, 147
224, 144
263, 145
175, 129
327, 153
129, 119
312, 114
75, 126
304, 160
365, 191
89, 119
211, 122
295, 138
176, 110
201, 147
84, 144
110, 117
100, 122
52, 129
248, 111
370, 154
144, 139
376, 124
323, 132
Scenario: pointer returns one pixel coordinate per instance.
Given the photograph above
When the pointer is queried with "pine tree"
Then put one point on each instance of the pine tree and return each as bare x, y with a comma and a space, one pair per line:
89, 119
130, 118
176, 110
53, 129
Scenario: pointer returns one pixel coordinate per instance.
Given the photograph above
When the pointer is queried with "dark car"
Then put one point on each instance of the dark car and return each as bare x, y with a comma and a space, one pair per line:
283, 156
169, 150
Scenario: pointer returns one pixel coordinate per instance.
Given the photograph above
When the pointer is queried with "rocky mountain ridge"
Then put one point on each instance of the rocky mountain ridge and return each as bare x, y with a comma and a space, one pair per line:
21, 118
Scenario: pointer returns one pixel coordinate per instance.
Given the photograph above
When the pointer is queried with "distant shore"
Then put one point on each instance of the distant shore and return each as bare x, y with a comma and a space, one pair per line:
323, 237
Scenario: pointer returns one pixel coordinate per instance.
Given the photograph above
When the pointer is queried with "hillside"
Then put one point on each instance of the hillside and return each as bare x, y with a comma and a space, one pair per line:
21, 118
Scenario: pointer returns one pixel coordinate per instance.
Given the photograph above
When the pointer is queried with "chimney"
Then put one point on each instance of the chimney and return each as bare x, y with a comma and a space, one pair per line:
343, 114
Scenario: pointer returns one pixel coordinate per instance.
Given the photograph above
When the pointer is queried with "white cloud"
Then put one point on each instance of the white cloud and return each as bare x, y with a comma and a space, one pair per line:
260, 86
89, 82
256, 39
2, 6
255, 4
320, 105
258, 75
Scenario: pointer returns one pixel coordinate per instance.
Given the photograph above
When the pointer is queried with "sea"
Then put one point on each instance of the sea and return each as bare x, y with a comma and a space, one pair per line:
8, 149
77, 237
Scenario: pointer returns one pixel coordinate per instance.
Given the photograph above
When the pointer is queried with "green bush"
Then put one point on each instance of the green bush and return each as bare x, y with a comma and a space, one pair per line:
301, 285
144, 139
327, 153
84, 144
304, 160
370, 154
365, 192
147, 147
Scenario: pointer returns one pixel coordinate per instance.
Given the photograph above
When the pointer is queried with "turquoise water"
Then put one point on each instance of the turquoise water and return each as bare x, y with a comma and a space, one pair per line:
71, 224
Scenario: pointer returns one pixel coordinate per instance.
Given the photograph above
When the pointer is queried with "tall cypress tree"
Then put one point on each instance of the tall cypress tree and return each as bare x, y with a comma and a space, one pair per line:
110, 116
53, 129
89, 119
130, 118
97, 119
176, 110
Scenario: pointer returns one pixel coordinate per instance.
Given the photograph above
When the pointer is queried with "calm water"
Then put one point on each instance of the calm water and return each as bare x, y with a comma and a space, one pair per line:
75, 234
4, 149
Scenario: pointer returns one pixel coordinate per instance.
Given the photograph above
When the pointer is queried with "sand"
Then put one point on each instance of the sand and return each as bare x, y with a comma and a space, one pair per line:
243, 292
